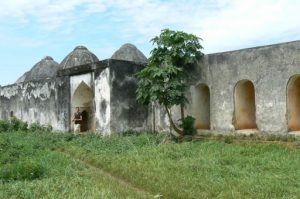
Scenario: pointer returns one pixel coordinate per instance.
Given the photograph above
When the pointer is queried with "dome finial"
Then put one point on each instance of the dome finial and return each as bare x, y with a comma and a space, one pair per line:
48, 58
80, 47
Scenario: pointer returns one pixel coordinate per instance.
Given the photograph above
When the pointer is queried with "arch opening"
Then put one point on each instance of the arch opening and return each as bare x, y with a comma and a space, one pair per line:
83, 98
201, 106
244, 106
293, 103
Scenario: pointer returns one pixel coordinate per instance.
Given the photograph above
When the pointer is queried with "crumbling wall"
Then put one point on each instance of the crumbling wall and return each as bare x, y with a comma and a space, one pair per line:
45, 102
269, 68
102, 102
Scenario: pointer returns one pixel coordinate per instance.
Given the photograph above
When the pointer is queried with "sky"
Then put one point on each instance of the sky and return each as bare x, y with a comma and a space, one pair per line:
33, 29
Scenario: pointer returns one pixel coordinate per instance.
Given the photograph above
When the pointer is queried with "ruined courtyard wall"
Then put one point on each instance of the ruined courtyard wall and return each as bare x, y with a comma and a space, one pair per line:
44, 102
269, 68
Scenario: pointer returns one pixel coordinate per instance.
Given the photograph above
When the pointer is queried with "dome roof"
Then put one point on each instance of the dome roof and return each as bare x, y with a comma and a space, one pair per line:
79, 56
129, 52
22, 78
46, 68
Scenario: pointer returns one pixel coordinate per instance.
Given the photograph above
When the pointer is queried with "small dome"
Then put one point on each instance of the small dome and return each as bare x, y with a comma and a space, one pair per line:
22, 78
79, 56
46, 68
129, 52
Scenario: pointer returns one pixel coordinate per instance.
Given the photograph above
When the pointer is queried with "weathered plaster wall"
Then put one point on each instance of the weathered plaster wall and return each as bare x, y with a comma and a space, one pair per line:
113, 85
45, 102
268, 67
102, 101
126, 113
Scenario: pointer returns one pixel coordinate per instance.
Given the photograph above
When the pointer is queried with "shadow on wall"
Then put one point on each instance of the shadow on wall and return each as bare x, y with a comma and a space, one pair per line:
293, 103
244, 105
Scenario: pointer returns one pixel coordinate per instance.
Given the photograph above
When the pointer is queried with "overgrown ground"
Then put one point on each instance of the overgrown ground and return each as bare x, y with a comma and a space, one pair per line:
51, 165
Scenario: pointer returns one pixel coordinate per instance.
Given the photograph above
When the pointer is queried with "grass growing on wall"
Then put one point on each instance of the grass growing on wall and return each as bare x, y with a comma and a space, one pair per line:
51, 165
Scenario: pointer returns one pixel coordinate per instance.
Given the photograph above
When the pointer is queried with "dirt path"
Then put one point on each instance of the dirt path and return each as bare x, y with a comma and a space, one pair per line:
121, 181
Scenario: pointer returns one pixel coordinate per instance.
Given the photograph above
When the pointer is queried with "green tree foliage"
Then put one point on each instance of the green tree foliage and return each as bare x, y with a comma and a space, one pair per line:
162, 80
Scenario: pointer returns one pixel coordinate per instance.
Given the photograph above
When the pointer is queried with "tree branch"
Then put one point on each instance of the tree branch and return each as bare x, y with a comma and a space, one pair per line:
178, 132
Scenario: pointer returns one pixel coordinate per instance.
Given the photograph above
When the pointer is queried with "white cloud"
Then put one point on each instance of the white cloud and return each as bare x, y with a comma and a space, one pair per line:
223, 24
50, 14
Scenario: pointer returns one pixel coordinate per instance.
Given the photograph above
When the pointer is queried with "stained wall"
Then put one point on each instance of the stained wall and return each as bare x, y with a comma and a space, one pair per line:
44, 102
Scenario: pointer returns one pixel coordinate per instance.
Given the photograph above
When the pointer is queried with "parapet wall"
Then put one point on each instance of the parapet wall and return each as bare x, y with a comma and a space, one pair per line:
244, 90
268, 68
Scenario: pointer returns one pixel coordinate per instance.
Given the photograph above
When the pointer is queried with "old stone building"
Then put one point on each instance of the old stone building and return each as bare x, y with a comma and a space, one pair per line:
248, 90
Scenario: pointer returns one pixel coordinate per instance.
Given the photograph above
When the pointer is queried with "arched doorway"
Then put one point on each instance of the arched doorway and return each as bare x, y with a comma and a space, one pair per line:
244, 105
83, 98
201, 106
293, 103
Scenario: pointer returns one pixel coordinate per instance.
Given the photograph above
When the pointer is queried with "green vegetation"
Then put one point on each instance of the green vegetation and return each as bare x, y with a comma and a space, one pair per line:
52, 165
163, 79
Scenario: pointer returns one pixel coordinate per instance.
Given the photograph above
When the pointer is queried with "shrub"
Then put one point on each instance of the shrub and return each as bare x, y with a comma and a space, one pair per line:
4, 126
18, 125
188, 125
228, 139
14, 124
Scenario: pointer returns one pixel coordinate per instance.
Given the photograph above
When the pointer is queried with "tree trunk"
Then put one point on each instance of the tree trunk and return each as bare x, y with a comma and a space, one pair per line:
182, 111
178, 133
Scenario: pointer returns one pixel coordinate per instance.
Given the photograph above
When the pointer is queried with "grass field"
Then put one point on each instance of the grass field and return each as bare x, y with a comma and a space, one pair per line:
52, 165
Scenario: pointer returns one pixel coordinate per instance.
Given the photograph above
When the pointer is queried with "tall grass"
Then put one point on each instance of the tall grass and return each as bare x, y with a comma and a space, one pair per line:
206, 169
144, 165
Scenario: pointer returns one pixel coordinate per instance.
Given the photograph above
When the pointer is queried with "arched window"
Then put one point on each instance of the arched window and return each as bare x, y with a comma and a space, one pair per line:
244, 105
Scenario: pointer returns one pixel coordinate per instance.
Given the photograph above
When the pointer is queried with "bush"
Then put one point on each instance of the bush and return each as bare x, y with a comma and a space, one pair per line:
228, 139
4, 126
18, 125
13, 124
188, 125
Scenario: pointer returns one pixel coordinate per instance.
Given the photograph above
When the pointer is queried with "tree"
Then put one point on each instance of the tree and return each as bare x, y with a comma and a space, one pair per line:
163, 79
